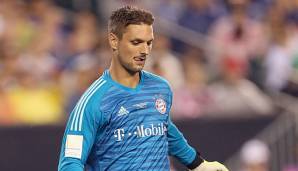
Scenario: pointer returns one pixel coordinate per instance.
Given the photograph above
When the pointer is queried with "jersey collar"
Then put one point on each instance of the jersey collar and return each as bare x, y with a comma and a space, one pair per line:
109, 78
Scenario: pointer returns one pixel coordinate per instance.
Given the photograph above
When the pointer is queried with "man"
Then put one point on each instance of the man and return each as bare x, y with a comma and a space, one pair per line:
122, 121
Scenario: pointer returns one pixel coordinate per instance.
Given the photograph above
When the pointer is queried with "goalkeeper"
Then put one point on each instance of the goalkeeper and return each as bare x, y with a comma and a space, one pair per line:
122, 122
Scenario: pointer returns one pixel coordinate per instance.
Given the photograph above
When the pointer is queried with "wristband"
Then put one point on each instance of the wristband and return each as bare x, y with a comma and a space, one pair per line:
196, 162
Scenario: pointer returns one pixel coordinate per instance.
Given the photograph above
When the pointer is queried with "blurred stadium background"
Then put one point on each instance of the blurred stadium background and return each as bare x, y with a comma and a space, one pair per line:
232, 64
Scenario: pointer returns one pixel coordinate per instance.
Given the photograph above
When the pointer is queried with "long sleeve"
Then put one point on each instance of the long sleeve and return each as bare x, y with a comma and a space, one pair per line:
178, 146
80, 134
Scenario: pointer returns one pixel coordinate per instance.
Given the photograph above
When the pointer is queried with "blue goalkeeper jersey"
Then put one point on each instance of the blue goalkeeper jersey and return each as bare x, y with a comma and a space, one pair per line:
117, 128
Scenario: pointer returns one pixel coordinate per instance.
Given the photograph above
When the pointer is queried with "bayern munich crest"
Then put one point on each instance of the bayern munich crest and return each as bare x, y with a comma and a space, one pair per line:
161, 106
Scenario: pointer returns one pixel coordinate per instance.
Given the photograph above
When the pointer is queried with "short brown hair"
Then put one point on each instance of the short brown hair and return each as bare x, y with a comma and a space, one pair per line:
127, 15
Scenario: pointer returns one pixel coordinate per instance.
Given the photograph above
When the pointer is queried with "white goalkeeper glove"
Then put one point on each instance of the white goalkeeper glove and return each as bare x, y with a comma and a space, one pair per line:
210, 166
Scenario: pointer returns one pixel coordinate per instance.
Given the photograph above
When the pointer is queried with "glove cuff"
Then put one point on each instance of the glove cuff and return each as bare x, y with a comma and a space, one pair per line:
196, 162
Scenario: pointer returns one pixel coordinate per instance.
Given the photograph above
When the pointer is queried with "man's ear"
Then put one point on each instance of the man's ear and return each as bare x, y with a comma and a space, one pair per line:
113, 40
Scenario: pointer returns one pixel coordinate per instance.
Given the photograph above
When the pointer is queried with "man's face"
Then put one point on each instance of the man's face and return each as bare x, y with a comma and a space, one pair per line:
134, 47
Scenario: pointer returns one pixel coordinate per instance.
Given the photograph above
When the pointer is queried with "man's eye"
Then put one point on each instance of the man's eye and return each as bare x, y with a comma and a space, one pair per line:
135, 42
149, 43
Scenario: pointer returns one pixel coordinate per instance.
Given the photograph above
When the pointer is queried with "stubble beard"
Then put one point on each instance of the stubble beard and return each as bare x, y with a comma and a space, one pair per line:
129, 67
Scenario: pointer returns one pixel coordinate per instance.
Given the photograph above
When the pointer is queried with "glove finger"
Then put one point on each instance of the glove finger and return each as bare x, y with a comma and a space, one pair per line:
221, 167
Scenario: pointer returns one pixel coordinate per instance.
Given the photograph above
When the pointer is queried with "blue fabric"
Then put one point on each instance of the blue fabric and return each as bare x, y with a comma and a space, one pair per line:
125, 128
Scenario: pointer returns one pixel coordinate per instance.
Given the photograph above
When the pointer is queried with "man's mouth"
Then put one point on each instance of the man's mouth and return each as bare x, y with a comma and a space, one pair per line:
140, 58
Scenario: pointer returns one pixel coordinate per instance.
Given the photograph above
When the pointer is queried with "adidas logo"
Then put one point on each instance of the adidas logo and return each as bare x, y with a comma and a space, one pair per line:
122, 111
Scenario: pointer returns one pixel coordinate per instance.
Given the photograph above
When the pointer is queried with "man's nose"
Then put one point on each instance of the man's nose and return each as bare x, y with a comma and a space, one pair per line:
145, 49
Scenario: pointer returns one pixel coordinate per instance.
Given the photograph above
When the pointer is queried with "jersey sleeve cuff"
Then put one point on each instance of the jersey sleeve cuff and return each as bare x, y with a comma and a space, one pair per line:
196, 162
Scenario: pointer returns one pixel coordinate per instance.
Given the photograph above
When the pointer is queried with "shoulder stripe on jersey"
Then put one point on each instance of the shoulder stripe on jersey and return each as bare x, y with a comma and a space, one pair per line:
85, 100
82, 101
82, 112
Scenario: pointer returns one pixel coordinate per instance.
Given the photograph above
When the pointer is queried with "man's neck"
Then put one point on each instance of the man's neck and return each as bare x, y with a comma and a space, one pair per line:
123, 77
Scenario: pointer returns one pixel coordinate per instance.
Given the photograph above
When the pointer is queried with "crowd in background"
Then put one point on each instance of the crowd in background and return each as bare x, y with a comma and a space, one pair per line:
50, 54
